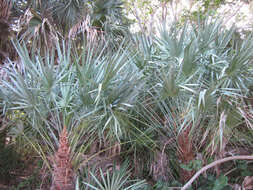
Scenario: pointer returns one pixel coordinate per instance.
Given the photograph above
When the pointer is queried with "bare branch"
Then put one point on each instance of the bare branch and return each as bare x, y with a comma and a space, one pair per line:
243, 157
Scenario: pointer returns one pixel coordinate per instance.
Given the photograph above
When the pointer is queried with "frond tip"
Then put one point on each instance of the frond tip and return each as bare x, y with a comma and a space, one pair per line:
63, 175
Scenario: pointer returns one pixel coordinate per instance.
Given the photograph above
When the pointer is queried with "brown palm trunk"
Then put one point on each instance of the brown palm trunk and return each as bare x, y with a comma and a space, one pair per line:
63, 175
185, 153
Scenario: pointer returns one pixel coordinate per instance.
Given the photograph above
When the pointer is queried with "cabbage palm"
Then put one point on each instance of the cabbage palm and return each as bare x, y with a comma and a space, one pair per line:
42, 23
63, 15
108, 16
107, 11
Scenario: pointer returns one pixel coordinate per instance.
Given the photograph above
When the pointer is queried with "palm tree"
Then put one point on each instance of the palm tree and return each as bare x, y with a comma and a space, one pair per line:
175, 96
90, 93
116, 179
43, 23
199, 76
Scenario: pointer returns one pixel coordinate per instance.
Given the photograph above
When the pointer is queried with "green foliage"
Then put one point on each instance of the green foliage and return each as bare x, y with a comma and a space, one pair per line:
193, 165
116, 179
207, 8
187, 86
244, 168
194, 65
211, 183
145, 92
240, 170
160, 185
107, 11
92, 97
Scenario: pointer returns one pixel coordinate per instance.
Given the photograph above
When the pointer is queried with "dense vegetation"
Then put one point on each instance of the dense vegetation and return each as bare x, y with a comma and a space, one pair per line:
86, 104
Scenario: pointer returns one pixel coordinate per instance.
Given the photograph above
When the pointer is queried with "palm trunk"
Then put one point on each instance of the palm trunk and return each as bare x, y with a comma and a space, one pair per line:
185, 153
63, 175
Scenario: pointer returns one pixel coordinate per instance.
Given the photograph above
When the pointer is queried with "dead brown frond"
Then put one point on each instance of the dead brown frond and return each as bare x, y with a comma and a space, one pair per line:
160, 166
39, 29
247, 114
63, 175
5, 7
84, 26
6, 49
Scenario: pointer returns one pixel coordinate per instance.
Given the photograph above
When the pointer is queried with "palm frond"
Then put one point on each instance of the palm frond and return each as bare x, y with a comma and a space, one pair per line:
117, 179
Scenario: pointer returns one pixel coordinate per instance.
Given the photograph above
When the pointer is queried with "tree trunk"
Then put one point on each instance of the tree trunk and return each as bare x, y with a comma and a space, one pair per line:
3, 133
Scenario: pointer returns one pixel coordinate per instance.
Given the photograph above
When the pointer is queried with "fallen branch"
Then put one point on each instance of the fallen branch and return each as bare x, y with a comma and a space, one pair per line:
212, 165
